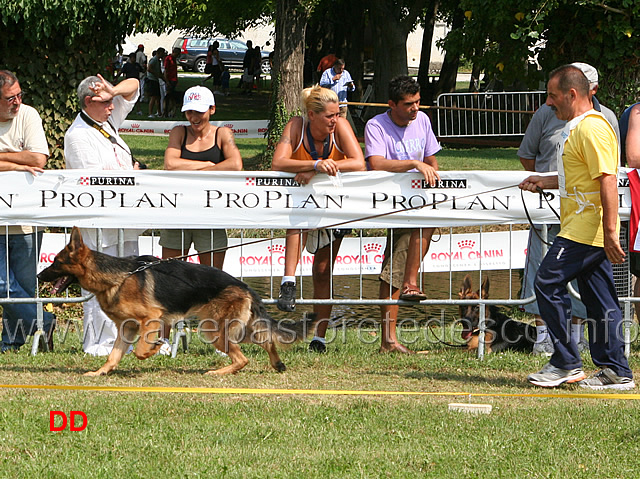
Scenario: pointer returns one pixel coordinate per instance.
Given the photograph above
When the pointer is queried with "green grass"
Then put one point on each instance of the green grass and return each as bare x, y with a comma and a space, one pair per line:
236, 106
306, 436
150, 149
282, 436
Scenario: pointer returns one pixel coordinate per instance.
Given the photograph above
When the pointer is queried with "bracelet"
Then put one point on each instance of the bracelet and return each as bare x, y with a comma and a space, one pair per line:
316, 164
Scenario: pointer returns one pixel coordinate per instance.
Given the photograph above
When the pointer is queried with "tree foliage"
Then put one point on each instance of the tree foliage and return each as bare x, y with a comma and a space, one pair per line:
52, 45
505, 36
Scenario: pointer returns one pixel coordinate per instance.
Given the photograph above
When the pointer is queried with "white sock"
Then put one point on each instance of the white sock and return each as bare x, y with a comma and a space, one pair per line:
577, 332
318, 338
290, 279
541, 334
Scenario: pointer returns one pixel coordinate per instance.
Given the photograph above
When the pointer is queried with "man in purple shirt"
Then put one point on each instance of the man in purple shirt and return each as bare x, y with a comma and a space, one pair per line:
401, 140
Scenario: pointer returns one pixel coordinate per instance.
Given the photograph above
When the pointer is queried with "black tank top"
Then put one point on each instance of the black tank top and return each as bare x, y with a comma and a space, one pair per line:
213, 154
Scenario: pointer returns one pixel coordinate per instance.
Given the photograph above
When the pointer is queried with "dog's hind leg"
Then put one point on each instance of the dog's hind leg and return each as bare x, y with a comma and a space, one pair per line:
275, 360
126, 336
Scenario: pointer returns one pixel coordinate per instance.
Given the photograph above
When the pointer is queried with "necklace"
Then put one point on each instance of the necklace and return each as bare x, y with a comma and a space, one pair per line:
201, 138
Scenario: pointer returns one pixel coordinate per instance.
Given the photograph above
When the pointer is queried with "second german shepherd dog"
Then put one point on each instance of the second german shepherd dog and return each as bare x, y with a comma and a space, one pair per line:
502, 332
140, 294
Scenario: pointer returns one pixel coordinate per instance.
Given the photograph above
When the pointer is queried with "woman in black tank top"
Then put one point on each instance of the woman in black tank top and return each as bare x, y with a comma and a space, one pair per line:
199, 146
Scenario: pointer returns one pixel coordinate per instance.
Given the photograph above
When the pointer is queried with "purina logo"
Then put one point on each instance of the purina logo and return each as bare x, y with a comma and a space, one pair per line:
107, 181
372, 248
448, 183
276, 249
466, 244
269, 181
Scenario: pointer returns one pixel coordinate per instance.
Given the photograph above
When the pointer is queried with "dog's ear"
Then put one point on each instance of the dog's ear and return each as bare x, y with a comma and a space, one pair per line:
485, 288
76, 242
466, 285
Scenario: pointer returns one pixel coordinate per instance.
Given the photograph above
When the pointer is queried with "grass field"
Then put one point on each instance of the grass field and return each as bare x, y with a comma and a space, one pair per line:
164, 434
244, 434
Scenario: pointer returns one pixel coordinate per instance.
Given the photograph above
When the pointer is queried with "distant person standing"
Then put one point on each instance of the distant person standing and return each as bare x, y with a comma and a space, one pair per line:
247, 67
23, 147
325, 62
141, 60
154, 75
339, 80
171, 77
130, 69
213, 66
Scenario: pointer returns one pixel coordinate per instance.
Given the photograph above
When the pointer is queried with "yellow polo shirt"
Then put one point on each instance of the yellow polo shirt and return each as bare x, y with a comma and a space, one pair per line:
590, 151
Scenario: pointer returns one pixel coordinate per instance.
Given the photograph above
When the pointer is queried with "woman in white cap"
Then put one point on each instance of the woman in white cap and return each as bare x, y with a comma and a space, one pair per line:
203, 147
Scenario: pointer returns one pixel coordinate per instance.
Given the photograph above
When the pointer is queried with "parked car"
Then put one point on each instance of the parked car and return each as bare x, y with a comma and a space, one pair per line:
193, 53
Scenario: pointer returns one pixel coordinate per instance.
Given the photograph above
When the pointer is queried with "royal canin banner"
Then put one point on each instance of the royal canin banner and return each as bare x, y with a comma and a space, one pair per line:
241, 128
258, 258
252, 199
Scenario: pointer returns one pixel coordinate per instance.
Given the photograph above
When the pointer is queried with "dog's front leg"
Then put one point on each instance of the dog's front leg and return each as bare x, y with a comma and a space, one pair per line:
126, 337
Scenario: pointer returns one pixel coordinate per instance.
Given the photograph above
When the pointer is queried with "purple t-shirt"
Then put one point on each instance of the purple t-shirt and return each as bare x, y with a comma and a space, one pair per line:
382, 137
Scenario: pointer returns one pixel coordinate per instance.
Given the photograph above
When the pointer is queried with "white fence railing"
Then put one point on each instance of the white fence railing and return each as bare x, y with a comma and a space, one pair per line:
486, 113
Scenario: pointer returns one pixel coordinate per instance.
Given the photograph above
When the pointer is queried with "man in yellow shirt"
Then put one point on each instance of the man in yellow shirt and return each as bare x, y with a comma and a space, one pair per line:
587, 244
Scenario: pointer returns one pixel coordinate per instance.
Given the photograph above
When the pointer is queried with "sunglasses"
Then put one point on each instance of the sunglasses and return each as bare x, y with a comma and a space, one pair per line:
14, 98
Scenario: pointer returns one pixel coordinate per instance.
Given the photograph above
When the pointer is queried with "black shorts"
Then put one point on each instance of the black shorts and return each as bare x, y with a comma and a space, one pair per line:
634, 263
152, 87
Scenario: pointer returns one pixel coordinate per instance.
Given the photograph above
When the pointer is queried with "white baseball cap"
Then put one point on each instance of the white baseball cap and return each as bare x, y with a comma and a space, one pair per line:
590, 72
198, 98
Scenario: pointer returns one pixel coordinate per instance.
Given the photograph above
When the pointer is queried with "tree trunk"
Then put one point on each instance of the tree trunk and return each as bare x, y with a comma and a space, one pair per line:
291, 22
449, 71
425, 54
389, 47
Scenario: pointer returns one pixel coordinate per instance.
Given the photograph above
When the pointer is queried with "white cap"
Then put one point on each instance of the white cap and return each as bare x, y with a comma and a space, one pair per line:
198, 98
590, 72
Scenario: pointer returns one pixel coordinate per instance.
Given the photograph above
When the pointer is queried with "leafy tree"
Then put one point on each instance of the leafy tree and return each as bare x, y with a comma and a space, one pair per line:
52, 46
503, 37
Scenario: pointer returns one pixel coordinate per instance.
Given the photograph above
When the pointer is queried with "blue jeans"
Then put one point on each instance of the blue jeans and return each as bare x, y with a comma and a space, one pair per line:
19, 320
566, 261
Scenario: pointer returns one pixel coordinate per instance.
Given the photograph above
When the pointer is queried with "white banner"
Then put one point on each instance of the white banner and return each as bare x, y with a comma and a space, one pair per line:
241, 128
460, 252
251, 199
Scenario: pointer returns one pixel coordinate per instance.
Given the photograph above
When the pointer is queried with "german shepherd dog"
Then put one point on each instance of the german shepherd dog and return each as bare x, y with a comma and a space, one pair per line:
141, 293
501, 333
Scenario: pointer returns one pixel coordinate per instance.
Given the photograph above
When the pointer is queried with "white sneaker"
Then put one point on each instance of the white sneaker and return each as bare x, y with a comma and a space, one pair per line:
165, 349
550, 376
607, 379
544, 348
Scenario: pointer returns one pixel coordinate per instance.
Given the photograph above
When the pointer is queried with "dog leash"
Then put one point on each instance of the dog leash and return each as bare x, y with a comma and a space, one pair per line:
335, 225
442, 341
546, 195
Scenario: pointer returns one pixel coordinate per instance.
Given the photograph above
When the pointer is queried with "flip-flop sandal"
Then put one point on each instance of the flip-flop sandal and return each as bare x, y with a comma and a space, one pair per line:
412, 293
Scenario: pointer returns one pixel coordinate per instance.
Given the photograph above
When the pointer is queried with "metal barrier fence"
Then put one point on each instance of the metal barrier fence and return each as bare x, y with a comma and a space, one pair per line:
359, 288
485, 113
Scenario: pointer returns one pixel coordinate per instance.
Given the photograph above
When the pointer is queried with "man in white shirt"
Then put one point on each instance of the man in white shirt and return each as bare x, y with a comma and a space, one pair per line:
23, 147
92, 142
